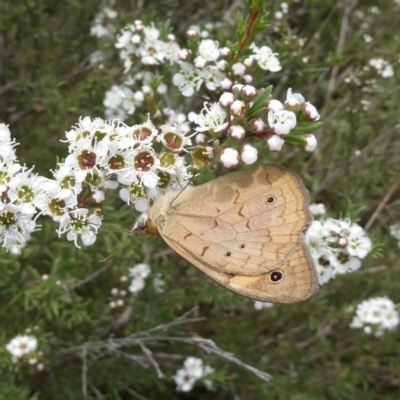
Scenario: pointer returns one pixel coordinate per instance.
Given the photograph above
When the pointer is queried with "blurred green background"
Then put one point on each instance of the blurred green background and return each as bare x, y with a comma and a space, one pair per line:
47, 82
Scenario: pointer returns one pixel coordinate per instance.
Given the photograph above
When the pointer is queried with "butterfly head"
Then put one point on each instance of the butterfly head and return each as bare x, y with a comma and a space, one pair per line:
144, 226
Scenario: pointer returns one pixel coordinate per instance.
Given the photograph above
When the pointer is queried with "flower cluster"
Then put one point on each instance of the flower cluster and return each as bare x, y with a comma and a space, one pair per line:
145, 44
207, 68
105, 155
337, 247
21, 193
139, 273
383, 68
103, 22
376, 315
22, 345
192, 371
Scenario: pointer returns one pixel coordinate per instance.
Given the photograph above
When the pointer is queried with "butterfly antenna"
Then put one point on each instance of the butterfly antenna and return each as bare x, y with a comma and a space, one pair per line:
183, 188
115, 252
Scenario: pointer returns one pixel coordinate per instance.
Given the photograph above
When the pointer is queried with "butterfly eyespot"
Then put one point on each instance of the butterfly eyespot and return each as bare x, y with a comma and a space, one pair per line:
275, 276
242, 246
270, 199
228, 254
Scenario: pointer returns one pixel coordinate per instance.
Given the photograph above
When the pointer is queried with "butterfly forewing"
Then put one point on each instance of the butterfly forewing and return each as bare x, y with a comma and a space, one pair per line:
240, 227
247, 222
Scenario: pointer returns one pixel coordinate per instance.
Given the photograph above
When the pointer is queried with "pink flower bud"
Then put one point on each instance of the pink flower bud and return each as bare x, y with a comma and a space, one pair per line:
275, 143
200, 62
247, 79
221, 65
311, 143
224, 52
248, 62
171, 37
201, 138
257, 124
275, 105
236, 132
226, 84
310, 112
191, 34
229, 157
183, 54
226, 99
248, 91
238, 69
248, 154
238, 108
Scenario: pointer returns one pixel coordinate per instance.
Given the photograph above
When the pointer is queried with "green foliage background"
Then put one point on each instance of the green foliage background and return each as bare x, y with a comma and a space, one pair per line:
47, 83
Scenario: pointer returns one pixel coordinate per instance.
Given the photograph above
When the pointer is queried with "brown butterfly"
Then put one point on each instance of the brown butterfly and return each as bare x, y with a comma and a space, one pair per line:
245, 230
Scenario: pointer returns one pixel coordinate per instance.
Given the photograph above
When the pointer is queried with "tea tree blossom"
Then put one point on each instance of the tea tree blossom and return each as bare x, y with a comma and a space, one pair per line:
282, 121
22, 345
317, 209
193, 370
139, 273
146, 160
337, 246
376, 315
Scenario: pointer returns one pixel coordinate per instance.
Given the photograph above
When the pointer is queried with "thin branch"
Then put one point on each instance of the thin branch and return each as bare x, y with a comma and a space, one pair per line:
381, 205
84, 371
149, 355
91, 277
144, 338
135, 394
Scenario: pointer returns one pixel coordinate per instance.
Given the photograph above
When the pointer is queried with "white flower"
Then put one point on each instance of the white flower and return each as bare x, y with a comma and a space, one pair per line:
265, 58
317, 209
194, 366
294, 99
345, 263
211, 118
212, 77
159, 284
282, 121
21, 345
136, 285
209, 49
248, 154
143, 270
395, 229
79, 223
188, 79
184, 381
229, 157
